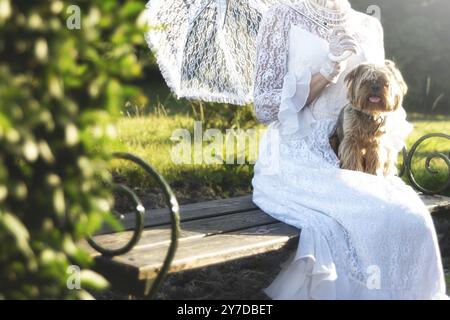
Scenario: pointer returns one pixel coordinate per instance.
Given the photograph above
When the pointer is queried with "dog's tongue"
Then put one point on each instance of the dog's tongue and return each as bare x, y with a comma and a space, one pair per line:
375, 99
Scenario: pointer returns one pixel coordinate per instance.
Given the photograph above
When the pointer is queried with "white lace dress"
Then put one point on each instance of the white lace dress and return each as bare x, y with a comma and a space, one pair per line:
362, 236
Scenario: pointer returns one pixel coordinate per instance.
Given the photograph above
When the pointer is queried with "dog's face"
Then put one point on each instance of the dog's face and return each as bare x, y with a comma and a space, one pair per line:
375, 89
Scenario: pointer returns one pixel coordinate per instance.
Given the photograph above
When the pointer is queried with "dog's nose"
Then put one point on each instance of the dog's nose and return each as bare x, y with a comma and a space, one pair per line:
375, 87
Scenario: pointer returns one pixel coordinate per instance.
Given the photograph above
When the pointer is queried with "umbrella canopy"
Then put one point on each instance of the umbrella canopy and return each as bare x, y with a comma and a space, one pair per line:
206, 49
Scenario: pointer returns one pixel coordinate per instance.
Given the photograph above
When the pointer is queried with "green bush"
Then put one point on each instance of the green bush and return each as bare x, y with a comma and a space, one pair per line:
59, 90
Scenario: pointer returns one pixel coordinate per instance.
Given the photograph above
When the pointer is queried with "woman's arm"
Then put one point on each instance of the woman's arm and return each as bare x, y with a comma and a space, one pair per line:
271, 76
342, 46
318, 84
271, 67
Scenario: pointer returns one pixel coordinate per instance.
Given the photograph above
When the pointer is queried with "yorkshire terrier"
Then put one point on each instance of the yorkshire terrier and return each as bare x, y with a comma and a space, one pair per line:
374, 92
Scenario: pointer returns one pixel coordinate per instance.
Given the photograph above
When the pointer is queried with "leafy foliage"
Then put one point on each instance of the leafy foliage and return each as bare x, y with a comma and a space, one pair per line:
59, 87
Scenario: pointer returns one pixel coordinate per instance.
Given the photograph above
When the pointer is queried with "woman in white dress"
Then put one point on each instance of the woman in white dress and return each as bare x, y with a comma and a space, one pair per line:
362, 236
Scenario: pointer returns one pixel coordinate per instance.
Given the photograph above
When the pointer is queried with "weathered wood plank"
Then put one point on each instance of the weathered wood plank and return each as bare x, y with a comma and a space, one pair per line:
156, 236
209, 250
194, 211
436, 204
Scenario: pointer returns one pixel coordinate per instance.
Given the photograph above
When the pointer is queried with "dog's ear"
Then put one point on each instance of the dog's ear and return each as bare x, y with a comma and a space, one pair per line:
398, 76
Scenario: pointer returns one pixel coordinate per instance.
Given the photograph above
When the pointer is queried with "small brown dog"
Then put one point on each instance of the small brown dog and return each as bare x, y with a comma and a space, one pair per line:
374, 92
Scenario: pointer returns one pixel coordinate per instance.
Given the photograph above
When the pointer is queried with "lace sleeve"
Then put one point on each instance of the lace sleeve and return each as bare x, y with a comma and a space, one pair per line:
271, 63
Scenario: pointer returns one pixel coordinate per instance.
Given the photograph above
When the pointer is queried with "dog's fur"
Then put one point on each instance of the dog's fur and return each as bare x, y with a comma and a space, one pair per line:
361, 124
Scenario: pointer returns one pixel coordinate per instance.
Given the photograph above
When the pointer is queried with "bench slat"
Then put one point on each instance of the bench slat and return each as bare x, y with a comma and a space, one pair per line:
196, 211
436, 204
155, 236
189, 212
209, 250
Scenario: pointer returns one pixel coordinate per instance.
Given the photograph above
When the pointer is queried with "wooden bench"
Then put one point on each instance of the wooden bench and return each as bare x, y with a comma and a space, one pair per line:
212, 233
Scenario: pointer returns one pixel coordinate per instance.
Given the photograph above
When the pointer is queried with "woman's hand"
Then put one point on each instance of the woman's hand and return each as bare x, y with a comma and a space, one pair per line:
342, 46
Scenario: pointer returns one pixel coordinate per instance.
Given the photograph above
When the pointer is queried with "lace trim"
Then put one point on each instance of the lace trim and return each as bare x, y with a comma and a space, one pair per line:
272, 53
293, 99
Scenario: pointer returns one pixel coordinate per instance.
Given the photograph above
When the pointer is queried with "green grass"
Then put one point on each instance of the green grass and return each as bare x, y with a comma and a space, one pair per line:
425, 125
149, 137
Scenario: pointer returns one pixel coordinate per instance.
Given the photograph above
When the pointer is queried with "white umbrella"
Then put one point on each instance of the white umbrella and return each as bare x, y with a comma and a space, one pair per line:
206, 49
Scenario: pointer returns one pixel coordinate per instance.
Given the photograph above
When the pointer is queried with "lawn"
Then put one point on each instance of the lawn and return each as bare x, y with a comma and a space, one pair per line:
149, 137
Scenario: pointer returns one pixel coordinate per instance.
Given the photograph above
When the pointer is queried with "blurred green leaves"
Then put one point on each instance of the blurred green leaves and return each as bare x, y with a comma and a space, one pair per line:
60, 89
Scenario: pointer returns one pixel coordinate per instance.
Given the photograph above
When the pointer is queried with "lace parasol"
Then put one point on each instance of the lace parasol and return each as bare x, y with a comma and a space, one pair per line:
206, 49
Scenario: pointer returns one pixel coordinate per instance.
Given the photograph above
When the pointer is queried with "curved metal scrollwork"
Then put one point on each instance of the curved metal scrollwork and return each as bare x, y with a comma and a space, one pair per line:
152, 285
409, 156
139, 211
